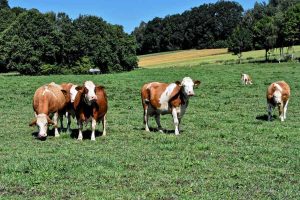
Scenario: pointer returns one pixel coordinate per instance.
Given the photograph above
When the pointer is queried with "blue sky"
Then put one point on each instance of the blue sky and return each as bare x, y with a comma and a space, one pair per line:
128, 13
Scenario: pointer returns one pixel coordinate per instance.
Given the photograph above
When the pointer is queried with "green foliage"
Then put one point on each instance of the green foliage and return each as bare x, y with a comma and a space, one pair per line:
83, 65
4, 4
226, 149
206, 26
32, 39
48, 69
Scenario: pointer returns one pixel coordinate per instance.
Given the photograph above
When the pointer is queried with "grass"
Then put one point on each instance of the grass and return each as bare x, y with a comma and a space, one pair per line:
206, 56
226, 149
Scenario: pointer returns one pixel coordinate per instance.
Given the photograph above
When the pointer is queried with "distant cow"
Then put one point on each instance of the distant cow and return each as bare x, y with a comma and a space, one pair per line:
246, 79
71, 92
162, 98
278, 94
48, 99
90, 104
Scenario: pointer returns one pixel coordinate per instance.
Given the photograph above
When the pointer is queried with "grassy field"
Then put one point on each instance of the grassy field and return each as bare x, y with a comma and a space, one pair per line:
226, 149
206, 56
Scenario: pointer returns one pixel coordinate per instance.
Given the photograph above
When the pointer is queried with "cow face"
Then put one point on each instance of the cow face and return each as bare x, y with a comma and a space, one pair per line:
277, 94
277, 97
73, 93
42, 121
89, 90
188, 86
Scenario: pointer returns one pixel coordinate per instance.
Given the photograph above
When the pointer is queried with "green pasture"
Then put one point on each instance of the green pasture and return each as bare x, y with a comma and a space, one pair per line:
226, 150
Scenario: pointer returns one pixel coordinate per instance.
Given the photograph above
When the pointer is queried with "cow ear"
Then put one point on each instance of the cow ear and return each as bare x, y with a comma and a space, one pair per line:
64, 92
99, 87
178, 83
33, 123
78, 88
197, 82
50, 122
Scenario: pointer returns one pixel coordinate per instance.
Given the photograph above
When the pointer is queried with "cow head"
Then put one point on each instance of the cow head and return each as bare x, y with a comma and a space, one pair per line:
42, 121
187, 85
277, 95
89, 92
73, 93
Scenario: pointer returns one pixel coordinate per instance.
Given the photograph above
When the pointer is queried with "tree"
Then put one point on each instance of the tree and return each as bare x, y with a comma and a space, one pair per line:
265, 36
4, 4
240, 40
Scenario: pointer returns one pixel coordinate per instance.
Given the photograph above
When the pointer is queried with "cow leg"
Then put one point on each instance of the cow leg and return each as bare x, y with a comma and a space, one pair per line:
80, 130
280, 108
146, 116
61, 119
55, 119
68, 122
104, 125
285, 109
94, 123
157, 119
176, 121
269, 112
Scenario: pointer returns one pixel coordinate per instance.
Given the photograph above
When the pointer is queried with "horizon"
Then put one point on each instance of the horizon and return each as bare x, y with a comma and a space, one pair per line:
115, 12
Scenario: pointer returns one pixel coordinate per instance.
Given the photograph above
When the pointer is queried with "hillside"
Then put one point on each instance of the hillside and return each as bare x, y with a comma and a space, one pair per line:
194, 57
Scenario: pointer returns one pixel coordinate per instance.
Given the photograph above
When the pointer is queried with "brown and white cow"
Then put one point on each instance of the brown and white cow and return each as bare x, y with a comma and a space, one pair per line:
90, 104
71, 92
246, 79
278, 94
48, 99
163, 98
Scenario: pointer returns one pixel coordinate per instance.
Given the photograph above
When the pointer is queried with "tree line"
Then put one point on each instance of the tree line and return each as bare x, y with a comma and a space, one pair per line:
35, 43
223, 25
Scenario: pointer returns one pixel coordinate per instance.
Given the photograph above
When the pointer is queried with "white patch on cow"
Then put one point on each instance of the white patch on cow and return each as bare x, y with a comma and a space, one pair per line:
47, 90
188, 86
91, 95
150, 84
277, 94
165, 97
42, 123
285, 109
73, 93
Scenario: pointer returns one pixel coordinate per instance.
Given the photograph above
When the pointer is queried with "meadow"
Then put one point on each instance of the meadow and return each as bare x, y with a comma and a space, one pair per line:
226, 150
208, 56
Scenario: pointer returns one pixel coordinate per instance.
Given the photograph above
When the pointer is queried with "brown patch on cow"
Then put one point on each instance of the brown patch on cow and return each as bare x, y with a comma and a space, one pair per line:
285, 94
97, 110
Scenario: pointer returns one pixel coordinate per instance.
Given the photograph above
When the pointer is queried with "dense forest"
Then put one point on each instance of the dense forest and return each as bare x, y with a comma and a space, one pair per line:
35, 43
267, 26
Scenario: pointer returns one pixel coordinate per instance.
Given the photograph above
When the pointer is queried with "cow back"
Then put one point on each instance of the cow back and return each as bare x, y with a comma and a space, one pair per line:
48, 99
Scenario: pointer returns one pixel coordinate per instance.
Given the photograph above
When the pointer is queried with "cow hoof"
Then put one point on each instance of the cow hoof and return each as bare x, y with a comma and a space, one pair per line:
79, 139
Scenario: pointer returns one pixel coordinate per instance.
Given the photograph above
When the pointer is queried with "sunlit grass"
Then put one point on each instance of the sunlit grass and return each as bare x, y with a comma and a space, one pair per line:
212, 56
226, 149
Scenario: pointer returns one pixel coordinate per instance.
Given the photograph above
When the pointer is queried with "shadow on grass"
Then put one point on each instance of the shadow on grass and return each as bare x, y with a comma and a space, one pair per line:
74, 134
85, 133
265, 117
165, 131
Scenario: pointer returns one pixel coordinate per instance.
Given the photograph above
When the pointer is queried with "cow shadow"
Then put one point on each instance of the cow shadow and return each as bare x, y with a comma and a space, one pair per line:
155, 130
85, 133
50, 132
265, 117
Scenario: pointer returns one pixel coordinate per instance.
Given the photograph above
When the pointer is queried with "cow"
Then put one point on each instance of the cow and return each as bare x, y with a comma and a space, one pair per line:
69, 112
90, 104
278, 94
48, 99
246, 79
163, 98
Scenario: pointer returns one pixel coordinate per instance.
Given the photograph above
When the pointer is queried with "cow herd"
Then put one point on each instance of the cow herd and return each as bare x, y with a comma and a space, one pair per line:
88, 103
